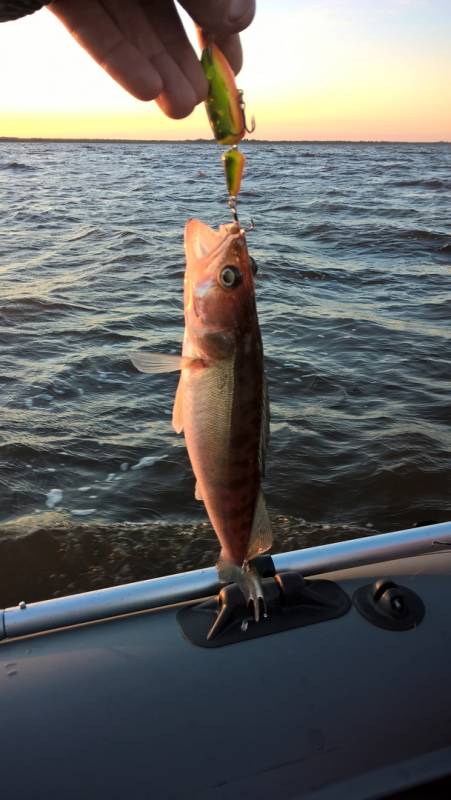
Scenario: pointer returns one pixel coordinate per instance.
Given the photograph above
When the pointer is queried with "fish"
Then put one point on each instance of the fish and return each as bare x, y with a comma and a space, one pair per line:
221, 403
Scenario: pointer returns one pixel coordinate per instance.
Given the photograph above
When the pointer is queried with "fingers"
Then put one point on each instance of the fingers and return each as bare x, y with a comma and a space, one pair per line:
223, 17
184, 83
95, 30
231, 47
143, 46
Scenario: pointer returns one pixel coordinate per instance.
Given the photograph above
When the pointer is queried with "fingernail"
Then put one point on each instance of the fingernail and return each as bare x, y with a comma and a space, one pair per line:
237, 9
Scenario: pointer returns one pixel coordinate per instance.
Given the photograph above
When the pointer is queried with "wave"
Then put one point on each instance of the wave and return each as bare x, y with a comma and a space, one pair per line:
19, 453
132, 238
422, 234
310, 155
286, 207
39, 219
38, 305
369, 236
423, 183
96, 335
85, 233
313, 229
18, 166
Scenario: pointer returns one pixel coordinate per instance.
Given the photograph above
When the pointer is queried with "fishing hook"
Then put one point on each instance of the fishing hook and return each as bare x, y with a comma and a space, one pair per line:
232, 205
243, 111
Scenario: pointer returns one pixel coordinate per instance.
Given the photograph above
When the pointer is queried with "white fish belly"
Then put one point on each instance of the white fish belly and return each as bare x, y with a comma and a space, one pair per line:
207, 418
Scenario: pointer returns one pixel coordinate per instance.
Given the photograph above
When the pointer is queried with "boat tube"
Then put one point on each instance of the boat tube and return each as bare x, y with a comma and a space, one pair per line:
106, 695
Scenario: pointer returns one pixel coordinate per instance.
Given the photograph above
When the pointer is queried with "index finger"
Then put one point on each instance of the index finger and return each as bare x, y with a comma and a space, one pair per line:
98, 34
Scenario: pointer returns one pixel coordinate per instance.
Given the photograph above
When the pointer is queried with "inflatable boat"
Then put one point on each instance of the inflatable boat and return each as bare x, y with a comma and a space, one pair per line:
341, 690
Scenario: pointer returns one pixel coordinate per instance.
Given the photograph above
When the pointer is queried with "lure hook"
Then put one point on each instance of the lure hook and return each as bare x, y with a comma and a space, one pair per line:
243, 111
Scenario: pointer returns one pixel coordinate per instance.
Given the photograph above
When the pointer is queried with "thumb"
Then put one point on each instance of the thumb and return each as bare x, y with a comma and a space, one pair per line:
221, 16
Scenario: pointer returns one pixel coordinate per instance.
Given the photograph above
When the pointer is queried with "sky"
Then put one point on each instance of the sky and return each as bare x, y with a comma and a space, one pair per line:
314, 69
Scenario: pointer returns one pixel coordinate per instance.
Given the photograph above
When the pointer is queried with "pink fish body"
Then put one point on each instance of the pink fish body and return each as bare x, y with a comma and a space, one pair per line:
221, 401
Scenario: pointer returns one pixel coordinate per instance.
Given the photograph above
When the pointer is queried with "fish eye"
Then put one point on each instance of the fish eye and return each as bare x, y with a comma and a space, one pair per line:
230, 277
253, 264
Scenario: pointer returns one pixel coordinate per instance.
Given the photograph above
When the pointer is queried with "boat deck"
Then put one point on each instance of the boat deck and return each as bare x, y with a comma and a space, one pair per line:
127, 707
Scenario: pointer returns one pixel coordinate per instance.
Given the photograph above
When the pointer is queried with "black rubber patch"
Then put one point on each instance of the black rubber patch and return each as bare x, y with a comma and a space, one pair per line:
291, 602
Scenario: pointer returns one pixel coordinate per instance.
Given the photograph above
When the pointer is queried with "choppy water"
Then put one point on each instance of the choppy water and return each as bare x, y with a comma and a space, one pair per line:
353, 243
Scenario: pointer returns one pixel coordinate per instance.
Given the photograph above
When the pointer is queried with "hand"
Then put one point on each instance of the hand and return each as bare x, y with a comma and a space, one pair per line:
142, 43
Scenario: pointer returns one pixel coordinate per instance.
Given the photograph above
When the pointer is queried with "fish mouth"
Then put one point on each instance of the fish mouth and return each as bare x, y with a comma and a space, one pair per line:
202, 241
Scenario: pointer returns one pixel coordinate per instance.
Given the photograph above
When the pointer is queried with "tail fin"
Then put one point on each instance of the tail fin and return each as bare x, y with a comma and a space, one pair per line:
249, 581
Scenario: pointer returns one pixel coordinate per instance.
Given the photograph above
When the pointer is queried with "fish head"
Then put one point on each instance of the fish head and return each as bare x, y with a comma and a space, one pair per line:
219, 287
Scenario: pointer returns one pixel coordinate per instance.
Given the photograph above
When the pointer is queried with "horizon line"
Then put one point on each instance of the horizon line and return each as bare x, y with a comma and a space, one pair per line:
198, 140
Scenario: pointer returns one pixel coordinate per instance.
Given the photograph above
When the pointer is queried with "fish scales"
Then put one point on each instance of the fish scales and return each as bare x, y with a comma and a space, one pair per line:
223, 412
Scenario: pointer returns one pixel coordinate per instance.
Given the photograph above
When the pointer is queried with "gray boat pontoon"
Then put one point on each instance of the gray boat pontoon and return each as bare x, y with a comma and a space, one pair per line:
118, 693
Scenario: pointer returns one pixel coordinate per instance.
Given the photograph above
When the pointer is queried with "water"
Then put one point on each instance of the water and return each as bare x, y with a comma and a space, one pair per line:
353, 243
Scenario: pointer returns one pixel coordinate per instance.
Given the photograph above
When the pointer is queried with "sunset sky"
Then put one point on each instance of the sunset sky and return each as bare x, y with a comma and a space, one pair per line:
314, 69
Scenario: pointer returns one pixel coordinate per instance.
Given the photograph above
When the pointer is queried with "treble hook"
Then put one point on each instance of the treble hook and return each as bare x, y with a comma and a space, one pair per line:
243, 111
232, 205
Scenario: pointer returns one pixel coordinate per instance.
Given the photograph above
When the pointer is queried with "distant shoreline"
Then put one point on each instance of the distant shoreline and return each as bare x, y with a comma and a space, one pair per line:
57, 140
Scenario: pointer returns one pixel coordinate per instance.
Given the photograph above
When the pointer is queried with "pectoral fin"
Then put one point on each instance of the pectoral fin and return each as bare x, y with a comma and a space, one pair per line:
197, 492
156, 362
162, 362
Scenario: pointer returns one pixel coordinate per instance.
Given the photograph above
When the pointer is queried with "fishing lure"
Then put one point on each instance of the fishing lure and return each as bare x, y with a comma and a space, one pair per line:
224, 101
226, 113
233, 167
